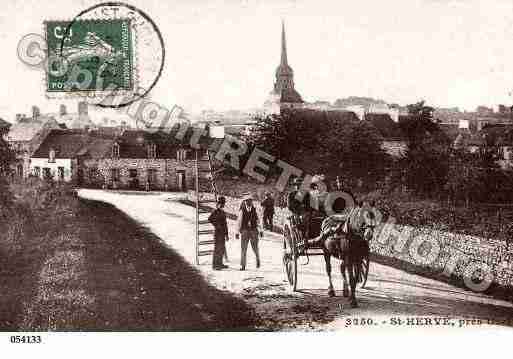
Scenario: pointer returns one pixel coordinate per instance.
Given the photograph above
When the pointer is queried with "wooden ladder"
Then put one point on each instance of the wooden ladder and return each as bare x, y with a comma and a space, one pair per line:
204, 229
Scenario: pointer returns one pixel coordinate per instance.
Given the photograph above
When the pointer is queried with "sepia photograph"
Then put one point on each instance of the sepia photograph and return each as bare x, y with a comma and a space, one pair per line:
173, 168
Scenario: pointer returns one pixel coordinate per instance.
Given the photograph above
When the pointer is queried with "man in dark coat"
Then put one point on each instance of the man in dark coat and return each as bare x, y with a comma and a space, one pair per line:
268, 207
218, 220
248, 228
299, 204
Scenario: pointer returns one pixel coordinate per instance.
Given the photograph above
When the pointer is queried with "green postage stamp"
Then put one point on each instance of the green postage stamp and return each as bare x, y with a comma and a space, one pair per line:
89, 57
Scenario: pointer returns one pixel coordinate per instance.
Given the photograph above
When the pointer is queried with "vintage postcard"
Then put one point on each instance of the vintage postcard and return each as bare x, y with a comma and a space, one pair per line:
251, 166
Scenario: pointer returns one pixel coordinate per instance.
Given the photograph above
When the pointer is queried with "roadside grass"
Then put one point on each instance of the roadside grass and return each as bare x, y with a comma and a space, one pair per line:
141, 284
29, 235
73, 265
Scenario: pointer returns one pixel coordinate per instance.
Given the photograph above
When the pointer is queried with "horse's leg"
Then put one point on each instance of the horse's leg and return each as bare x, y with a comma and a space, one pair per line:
327, 259
352, 281
345, 291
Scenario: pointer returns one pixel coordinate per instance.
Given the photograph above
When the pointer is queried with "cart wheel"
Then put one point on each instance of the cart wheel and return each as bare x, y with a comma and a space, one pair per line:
290, 258
365, 265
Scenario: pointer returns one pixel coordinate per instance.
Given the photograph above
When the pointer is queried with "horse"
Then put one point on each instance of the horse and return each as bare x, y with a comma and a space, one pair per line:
346, 237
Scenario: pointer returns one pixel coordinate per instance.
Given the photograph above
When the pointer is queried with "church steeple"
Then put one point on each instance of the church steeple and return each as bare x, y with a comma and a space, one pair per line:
284, 61
284, 85
284, 95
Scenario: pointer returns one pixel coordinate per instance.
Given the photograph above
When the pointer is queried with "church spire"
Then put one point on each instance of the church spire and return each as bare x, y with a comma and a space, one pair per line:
284, 85
284, 61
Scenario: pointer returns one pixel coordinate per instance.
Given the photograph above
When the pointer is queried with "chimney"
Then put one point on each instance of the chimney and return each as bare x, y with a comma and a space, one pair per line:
35, 112
62, 110
82, 108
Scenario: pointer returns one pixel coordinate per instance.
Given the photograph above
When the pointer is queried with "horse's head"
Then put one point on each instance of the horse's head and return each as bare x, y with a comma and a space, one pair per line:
363, 221
368, 233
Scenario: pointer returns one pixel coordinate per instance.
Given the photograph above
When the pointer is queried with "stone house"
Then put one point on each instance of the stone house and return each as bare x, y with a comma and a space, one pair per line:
26, 135
133, 159
139, 160
56, 158
498, 137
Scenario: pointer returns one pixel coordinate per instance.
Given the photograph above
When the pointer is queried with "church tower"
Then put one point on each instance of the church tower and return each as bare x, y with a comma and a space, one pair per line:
284, 94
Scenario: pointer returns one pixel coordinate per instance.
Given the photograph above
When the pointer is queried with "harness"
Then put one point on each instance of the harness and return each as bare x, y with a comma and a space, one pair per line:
336, 224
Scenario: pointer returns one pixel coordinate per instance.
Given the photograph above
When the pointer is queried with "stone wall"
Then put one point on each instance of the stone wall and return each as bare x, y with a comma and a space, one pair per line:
96, 172
451, 255
443, 255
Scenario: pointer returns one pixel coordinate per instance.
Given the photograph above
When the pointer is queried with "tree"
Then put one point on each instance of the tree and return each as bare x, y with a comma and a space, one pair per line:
6, 159
354, 150
424, 166
329, 142
419, 124
491, 175
464, 179
290, 136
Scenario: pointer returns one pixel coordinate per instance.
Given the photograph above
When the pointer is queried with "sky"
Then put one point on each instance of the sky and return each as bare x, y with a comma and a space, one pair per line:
223, 54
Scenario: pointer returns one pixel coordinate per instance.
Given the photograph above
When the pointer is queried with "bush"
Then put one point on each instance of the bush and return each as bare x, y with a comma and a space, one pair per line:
6, 159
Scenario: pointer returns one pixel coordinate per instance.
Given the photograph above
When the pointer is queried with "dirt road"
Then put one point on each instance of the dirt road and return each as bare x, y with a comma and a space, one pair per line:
391, 297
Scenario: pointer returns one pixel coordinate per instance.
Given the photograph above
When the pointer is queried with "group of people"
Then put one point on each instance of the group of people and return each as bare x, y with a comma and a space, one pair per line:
248, 228
248, 225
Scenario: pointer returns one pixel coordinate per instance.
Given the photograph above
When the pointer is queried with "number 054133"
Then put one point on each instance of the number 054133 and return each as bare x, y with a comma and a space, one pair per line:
26, 339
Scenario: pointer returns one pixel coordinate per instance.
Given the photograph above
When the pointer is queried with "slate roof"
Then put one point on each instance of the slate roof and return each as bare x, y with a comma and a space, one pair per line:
132, 143
24, 131
97, 148
27, 129
4, 124
66, 144
107, 132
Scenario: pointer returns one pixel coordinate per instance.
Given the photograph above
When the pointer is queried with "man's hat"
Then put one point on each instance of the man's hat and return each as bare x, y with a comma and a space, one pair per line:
317, 178
246, 196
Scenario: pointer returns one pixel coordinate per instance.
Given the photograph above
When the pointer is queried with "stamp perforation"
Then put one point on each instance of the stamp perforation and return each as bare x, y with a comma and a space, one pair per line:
94, 93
